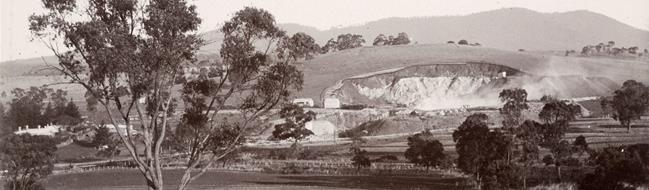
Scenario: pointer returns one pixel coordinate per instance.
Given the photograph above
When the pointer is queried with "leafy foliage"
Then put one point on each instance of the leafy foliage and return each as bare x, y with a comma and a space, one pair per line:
254, 80
343, 42
424, 150
628, 103
106, 142
515, 102
622, 167
294, 126
28, 108
27, 159
25, 108
478, 148
360, 158
401, 39
559, 111
121, 51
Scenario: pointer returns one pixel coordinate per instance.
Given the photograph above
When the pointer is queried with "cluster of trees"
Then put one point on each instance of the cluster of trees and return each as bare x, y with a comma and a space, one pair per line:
121, 52
623, 167
343, 42
29, 108
294, 126
464, 42
501, 158
628, 103
401, 39
105, 142
27, 160
610, 49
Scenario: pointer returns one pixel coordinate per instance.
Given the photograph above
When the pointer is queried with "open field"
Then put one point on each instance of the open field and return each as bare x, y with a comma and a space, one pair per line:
131, 179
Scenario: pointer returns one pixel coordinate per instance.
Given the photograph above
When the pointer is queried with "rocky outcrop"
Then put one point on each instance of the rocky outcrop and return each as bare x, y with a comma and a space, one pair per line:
443, 86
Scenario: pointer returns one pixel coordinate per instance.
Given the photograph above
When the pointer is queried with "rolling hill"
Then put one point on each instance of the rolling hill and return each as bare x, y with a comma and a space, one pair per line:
595, 76
509, 29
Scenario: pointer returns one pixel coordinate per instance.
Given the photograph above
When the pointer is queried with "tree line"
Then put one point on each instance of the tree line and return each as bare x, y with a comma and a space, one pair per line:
502, 158
38, 106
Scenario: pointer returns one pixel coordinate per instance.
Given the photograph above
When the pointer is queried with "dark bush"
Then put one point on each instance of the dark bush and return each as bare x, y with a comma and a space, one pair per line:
309, 154
364, 129
31, 185
548, 160
571, 162
386, 158
292, 168
353, 106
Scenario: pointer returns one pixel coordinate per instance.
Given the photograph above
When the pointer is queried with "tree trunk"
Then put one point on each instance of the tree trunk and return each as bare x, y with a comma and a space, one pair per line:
184, 181
559, 173
628, 127
525, 176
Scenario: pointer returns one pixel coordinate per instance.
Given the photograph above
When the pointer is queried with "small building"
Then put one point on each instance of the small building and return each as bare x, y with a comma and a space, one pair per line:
503, 74
331, 103
121, 128
49, 130
304, 102
322, 130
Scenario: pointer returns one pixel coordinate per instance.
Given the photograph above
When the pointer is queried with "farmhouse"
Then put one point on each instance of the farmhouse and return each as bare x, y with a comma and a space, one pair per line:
304, 102
121, 128
332, 103
48, 130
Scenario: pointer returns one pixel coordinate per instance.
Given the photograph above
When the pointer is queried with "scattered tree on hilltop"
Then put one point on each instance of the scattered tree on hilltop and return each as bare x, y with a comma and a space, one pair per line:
401, 39
463, 42
343, 42
628, 103
27, 159
330, 46
425, 151
380, 40
298, 46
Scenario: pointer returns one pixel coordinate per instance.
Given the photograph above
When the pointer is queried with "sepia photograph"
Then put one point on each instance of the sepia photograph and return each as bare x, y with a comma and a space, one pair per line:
324, 94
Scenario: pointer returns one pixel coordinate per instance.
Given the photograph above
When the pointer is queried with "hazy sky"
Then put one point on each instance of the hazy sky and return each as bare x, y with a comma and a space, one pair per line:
323, 14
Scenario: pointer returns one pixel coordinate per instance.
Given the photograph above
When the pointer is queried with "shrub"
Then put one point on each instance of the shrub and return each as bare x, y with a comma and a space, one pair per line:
353, 106
292, 168
387, 158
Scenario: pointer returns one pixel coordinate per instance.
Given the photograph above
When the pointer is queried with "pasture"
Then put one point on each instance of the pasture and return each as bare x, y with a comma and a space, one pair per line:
131, 179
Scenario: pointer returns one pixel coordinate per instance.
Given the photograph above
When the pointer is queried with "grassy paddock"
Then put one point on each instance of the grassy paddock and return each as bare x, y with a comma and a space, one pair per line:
131, 179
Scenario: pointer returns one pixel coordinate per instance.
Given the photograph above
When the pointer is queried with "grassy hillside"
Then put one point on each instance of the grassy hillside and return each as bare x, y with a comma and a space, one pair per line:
508, 28
325, 70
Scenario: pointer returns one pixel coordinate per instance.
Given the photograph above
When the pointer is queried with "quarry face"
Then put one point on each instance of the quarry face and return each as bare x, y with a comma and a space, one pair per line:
455, 85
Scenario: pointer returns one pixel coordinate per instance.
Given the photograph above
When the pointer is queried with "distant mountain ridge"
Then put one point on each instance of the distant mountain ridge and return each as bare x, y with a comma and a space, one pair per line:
509, 29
